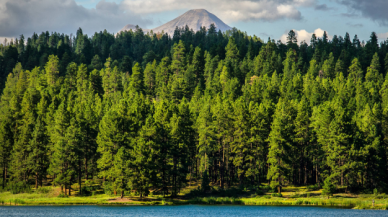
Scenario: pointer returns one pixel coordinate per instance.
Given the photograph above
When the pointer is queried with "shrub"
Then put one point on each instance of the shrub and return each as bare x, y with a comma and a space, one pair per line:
266, 187
108, 188
312, 187
62, 195
276, 195
86, 190
18, 187
259, 192
328, 187
375, 192
205, 182
18, 201
43, 190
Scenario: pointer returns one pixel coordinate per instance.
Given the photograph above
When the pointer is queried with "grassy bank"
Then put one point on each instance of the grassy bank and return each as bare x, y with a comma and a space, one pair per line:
292, 196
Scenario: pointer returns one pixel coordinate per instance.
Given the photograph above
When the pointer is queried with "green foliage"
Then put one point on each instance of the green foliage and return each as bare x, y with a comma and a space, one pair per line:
259, 192
164, 112
205, 182
44, 190
375, 192
62, 195
18, 187
312, 187
328, 187
276, 195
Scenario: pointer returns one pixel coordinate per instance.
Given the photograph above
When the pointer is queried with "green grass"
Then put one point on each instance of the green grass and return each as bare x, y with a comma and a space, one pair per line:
291, 196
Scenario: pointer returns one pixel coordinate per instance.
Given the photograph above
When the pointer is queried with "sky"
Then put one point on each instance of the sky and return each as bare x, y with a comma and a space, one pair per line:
263, 18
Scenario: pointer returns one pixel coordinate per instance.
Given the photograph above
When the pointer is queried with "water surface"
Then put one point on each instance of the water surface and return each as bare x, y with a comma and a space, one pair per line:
185, 211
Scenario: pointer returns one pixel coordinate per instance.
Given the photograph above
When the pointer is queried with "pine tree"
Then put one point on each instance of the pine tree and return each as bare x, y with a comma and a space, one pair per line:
52, 69
137, 78
38, 158
280, 143
149, 78
241, 146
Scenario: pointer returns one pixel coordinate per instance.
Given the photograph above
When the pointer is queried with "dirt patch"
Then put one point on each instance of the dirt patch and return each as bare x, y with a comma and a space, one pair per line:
120, 200
56, 191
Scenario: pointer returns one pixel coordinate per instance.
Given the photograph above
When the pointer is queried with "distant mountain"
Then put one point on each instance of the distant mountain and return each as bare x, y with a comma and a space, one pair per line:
129, 27
194, 19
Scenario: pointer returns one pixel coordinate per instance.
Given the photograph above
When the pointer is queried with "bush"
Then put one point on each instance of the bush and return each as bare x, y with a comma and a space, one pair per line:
43, 190
375, 192
205, 182
62, 195
266, 188
276, 195
108, 188
328, 187
259, 192
86, 190
312, 187
18, 187
18, 201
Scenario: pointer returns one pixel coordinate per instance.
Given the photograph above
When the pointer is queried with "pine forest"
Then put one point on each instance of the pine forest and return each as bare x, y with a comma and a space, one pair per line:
148, 112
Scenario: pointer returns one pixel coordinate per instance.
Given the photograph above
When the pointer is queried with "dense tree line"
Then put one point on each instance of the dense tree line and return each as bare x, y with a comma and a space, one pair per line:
149, 111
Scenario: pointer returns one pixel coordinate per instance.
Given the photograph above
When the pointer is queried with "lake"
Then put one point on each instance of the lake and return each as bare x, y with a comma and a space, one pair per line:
184, 210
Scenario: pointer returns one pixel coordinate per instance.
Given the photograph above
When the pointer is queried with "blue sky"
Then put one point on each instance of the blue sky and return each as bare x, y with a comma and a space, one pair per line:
336, 18
264, 18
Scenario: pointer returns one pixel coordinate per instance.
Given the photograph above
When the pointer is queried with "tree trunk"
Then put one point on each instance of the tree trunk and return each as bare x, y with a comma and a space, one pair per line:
79, 177
122, 194
223, 166
279, 186
316, 174
190, 176
4, 176
305, 173
36, 180
86, 169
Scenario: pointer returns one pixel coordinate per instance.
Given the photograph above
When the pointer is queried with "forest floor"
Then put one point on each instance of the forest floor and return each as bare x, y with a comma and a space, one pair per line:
291, 196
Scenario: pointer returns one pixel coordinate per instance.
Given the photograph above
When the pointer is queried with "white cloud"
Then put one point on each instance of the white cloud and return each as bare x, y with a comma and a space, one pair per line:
382, 36
27, 16
2, 40
303, 35
227, 10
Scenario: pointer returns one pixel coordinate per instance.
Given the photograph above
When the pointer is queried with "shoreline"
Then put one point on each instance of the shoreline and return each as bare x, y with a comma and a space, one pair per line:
340, 203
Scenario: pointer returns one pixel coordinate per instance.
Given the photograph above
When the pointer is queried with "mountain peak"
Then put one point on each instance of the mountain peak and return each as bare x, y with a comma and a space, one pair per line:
194, 19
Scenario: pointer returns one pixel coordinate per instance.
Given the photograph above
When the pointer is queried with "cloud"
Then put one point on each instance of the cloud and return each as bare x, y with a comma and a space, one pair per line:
227, 10
2, 40
28, 16
382, 36
375, 10
303, 35
322, 7
356, 25
349, 15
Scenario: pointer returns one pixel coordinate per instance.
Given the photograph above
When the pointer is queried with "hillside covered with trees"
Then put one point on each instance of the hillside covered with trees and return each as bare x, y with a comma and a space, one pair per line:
150, 112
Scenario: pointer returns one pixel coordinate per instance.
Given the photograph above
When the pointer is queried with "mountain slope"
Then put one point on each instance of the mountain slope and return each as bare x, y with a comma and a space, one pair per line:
133, 27
194, 19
